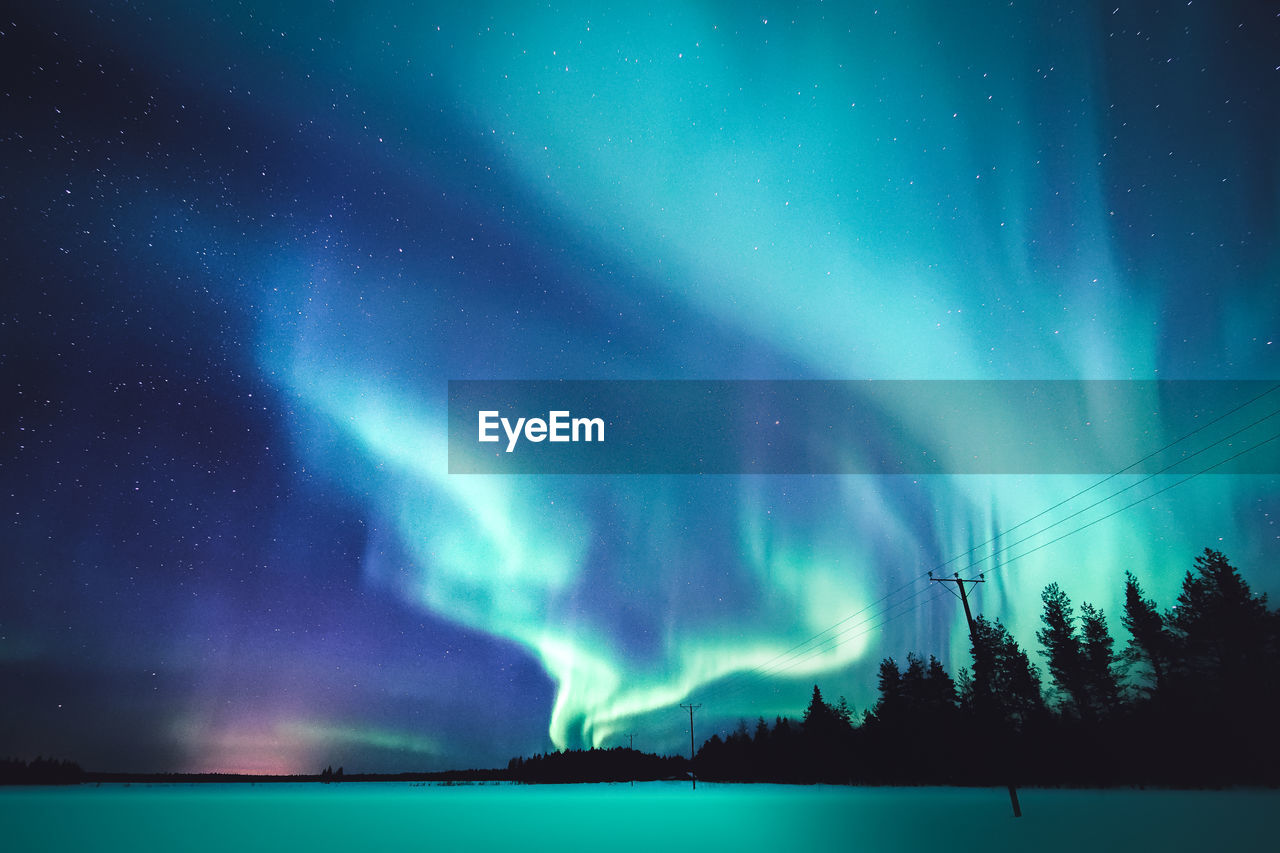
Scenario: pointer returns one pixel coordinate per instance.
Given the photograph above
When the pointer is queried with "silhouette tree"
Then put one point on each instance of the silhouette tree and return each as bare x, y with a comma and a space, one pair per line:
1219, 627
938, 696
762, 731
1223, 669
1004, 684
913, 688
618, 764
820, 719
1214, 656
1098, 660
1064, 651
845, 712
891, 704
41, 771
1150, 644
907, 736
922, 695
827, 741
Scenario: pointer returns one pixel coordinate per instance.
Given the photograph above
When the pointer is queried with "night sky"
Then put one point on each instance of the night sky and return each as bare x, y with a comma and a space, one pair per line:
245, 246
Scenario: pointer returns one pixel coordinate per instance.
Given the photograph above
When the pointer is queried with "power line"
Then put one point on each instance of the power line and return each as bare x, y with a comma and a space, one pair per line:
1115, 474
843, 637
726, 688
1085, 526
1150, 476
779, 663
799, 650
762, 670
1143, 499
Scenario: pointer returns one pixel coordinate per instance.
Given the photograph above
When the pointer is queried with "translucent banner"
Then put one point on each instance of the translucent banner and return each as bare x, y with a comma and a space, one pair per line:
863, 427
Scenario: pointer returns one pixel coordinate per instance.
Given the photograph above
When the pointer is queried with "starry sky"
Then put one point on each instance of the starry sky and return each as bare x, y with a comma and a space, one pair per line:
246, 246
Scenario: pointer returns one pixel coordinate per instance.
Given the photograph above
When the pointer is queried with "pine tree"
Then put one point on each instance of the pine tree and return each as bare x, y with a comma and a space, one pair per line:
1099, 660
1220, 630
913, 687
825, 739
1150, 644
890, 704
1005, 687
939, 697
965, 691
762, 732
845, 711
1063, 649
821, 719
818, 709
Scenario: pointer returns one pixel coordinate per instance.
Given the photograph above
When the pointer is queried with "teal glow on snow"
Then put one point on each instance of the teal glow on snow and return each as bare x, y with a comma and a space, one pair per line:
647, 817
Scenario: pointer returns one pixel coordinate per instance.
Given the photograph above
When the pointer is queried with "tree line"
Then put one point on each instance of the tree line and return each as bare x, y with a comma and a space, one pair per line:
619, 764
40, 771
1187, 701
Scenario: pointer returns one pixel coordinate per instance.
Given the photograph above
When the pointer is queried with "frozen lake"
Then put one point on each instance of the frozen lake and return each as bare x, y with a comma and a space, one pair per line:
657, 816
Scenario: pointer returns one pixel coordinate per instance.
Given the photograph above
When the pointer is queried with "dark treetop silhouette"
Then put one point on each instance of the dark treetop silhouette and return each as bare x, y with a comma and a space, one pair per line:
1187, 702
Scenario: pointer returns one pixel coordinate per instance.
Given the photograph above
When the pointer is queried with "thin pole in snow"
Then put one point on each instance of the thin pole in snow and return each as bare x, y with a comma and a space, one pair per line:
692, 776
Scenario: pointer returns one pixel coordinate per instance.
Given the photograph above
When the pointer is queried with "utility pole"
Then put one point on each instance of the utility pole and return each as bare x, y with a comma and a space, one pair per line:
968, 615
631, 759
692, 776
964, 597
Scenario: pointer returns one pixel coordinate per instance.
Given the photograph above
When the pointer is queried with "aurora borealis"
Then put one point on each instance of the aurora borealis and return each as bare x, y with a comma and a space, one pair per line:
247, 246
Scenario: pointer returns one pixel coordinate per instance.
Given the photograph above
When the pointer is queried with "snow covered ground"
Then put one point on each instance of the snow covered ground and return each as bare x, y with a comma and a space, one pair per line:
647, 817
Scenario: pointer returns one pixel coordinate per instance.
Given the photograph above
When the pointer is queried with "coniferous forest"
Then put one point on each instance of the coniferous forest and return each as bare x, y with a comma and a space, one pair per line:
1187, 700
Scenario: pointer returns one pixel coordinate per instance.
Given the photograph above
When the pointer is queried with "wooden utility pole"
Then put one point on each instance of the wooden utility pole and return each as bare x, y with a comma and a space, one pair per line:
631, 759
968, 615
692, 776
964, 596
